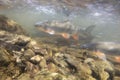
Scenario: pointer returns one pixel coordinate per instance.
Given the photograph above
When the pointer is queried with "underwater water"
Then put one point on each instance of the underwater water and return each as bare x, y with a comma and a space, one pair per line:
106, 18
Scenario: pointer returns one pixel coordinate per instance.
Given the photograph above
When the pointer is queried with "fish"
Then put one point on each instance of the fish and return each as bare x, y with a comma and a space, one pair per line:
107, 47
104, 48
66, 30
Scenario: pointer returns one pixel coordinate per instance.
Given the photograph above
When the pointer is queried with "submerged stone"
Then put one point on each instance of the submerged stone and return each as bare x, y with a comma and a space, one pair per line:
10, 25
5, 57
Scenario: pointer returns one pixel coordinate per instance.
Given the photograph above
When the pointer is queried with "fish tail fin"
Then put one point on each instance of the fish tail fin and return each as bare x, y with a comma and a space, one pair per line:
117, 58
65, 35
90, 28
75, 36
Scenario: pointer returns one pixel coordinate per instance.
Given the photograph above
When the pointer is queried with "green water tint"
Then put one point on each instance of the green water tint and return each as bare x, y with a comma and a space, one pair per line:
107, 24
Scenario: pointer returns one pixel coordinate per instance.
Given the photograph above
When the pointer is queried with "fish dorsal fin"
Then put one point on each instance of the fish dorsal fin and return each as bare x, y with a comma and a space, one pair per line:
90, 28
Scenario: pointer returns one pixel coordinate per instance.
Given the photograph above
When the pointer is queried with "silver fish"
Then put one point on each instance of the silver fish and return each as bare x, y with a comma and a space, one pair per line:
66, 29
111, 48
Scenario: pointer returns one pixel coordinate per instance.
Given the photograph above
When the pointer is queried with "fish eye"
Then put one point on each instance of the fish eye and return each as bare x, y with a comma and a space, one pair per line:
37, 25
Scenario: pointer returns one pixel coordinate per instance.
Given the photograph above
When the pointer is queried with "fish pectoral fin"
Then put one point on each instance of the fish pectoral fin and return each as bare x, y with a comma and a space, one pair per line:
75, 36
117, 58
65, 35
100, 54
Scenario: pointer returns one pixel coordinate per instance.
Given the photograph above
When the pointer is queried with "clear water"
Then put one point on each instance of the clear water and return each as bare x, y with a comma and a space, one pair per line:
106, 19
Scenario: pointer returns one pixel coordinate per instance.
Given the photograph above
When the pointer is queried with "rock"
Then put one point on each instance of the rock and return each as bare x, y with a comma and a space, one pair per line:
51, 76
52, 67
102, 70
43, 64
40, 51
36, 48
5, 57
14, 39
85, 72
14, 70
8, 78
117, 70
28, 54
36, 59
89, 60
31, 68
10, 25
117, 78
31, 44
24, 76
